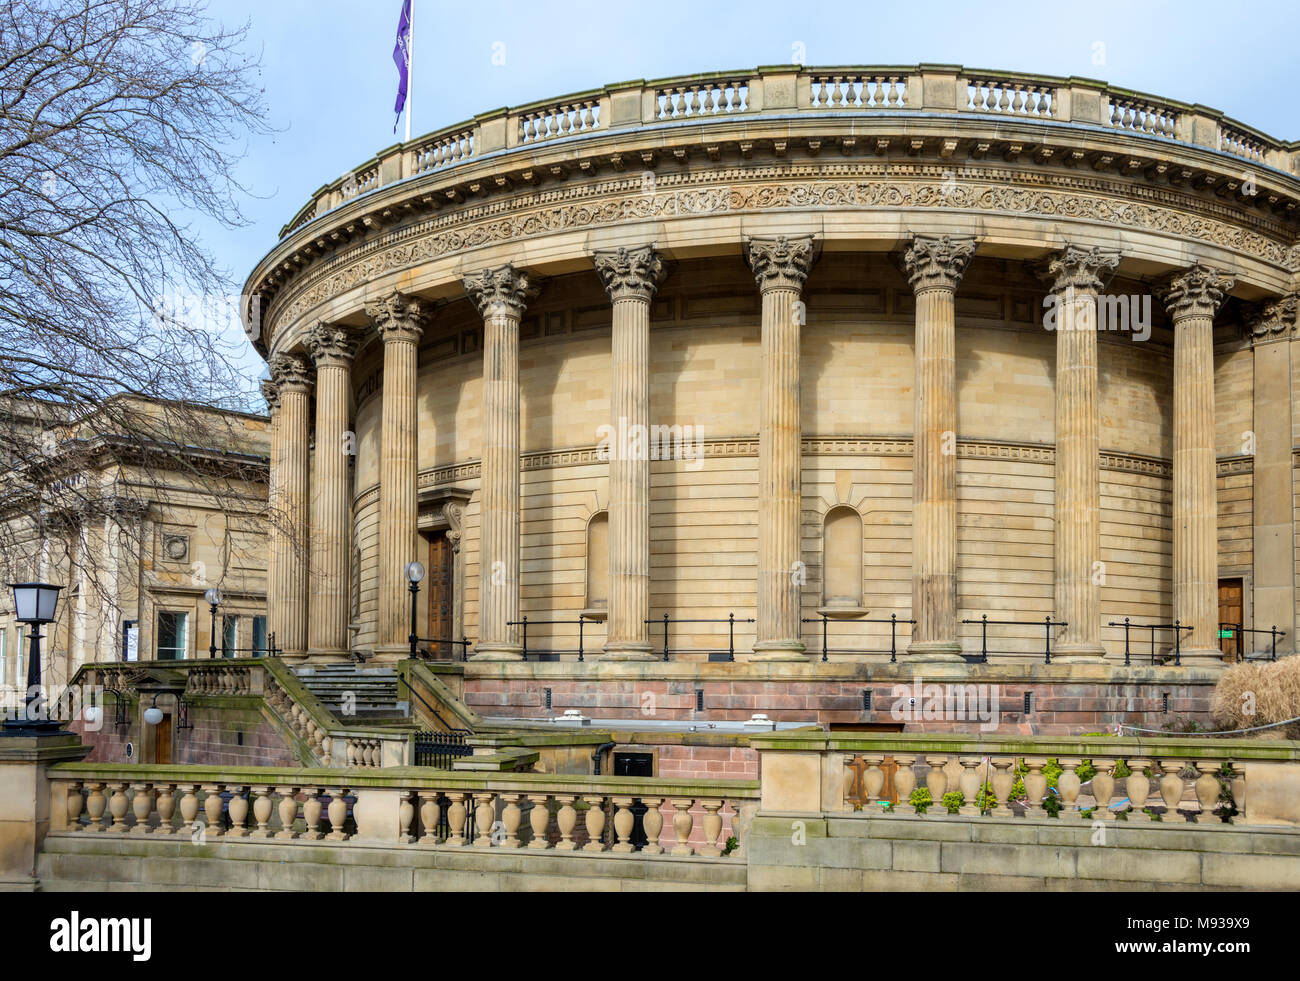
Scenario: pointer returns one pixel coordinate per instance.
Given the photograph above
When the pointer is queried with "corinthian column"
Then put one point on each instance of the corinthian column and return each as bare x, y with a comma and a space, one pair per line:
1192, 298
934, 268
500, 295
332, 348
1077, 276
631, 277
399, 320
292, 376
275, 534
781, 267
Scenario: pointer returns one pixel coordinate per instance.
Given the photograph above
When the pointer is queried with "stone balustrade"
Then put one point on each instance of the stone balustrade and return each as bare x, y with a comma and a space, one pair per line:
1165, 779
784, 90
531, 811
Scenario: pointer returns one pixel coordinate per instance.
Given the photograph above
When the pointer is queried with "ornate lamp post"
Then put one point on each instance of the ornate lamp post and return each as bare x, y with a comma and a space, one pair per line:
414, 575
34, 604
213, 596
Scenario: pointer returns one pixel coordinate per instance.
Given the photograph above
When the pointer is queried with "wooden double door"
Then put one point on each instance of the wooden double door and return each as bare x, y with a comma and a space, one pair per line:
442, 595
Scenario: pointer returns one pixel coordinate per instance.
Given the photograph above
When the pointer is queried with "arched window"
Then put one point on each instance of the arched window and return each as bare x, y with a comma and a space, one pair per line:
842, 558
598, 563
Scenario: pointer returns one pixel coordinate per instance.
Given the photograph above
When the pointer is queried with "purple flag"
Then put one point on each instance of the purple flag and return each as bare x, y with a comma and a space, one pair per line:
402, 56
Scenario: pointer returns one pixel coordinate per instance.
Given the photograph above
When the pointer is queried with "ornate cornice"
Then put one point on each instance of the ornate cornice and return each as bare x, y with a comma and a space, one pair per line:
1196, 292
291, 373
501, 292
1081, 269
856, 186
1272, 321
333, 344
630, 273
782, 262
397, 317
937, 263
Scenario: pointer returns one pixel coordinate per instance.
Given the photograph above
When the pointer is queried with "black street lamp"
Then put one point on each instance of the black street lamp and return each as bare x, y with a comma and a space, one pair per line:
414, 574
34, 605
213, 596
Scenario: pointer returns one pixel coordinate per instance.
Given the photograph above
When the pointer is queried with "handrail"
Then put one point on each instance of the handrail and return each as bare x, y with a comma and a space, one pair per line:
893, 622
1177, 627
984, 623
580, 650
432, 711
723, 96
731, 622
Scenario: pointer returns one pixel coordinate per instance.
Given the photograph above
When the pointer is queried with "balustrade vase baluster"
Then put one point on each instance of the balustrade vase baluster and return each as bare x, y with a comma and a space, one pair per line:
117, 807
904, 784
539, 821
75, 803
288, 809
141, 807
484, 818
969, 785
430, 814
337, 813
212, 806
238, 811
1103, 789
654, 825
566, 819
595, 822
936, 781
189, 807
405, 815
1068, 783
311, 812
1003, 780
712, 828
623, 824
1035, 786
457, 815
683, 823
262, 810
1208, 789
166, 808
1171, 790
873, 779
1138, 785
511, 815
95, 804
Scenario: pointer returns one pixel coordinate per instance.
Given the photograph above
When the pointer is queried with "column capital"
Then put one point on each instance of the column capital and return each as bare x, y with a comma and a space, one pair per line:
937, 262
1272, 320
782, 262
291, 373
271, 395
1195, 292
504, 291
630, 273
397, 317
1081, 269
333, 344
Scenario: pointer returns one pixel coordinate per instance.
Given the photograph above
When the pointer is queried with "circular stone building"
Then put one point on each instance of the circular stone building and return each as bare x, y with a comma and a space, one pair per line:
763, 391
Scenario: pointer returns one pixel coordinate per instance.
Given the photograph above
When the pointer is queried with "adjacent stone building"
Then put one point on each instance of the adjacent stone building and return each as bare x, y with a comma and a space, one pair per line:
764, 391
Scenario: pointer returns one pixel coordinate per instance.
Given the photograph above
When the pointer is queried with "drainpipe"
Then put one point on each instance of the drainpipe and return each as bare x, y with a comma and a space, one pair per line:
595, 757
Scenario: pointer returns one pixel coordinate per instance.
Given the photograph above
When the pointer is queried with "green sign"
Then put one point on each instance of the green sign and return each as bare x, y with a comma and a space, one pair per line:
1226, 634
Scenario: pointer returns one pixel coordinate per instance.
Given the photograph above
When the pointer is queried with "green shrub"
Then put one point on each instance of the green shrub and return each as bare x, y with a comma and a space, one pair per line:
921, 799
1086, 771
1122, 770
954, 801
985, 800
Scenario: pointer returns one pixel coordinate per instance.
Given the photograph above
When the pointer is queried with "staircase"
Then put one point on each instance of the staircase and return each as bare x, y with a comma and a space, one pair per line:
357, 695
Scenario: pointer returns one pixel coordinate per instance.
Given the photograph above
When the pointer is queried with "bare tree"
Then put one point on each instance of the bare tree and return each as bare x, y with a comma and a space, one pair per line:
121, 122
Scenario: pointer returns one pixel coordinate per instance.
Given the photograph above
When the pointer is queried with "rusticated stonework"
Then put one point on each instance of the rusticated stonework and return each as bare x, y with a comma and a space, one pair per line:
937, 263
781, 262
500, 292
630, 273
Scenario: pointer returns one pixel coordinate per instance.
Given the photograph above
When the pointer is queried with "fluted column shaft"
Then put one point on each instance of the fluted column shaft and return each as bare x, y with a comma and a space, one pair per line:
275, 537
1077, 276
399, 321
1192, 299
935, 267
293, 377
333, 349
781, 268
500, 295
631, 278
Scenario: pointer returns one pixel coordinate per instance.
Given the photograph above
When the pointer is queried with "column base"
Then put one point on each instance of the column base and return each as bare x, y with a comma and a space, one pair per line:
935, 652
1210, 658
1079, 654
328, 657
779, 650
629, 651
390, 654
497, 652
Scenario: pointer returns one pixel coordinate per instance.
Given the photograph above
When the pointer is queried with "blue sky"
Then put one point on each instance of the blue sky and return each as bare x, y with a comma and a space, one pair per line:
330, 79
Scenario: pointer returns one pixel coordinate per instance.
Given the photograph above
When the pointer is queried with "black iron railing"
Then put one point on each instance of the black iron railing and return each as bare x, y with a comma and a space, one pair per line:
553, 653
270, 650
1236, 630
440, 749
893, 622
1177, 627
429, 708
443, 643
1047, 623
714, 654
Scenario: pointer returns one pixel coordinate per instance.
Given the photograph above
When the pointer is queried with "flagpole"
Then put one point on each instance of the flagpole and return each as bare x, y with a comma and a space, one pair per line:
410, 71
